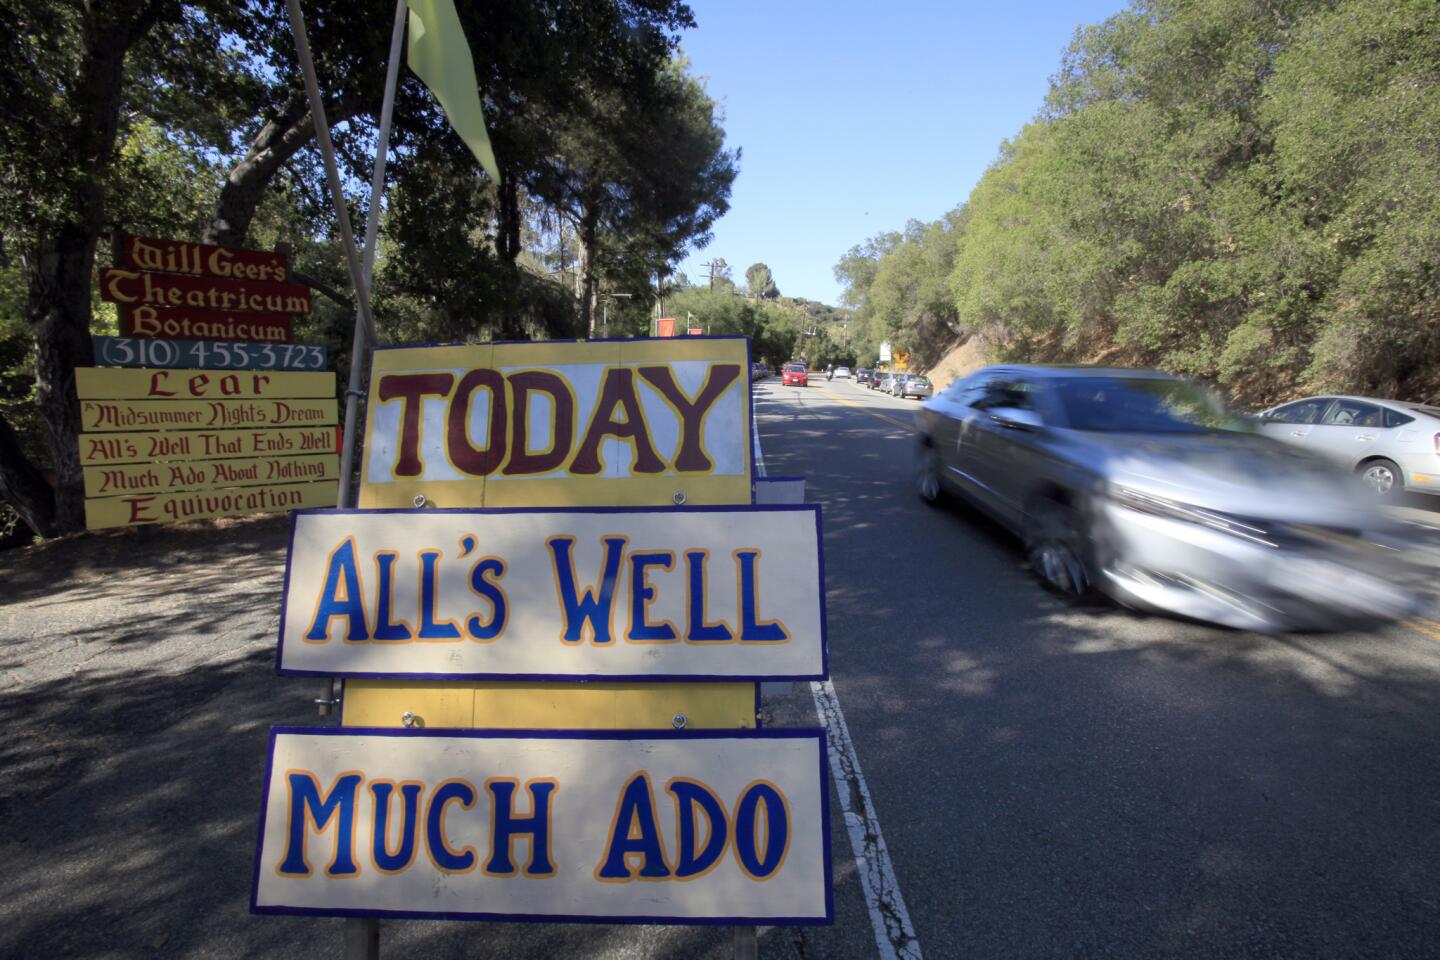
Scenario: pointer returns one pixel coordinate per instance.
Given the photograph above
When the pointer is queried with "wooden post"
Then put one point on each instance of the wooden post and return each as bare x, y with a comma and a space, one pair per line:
362, 938
746, 941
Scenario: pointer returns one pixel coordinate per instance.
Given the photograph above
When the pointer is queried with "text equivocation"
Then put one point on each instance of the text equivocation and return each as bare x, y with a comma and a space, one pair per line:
702, 592
208, 354
134, 509
609, 826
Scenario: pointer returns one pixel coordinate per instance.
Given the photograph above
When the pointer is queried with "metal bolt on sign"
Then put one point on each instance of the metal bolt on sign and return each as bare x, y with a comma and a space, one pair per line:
679, 498
678, 721
420, 501
407, 720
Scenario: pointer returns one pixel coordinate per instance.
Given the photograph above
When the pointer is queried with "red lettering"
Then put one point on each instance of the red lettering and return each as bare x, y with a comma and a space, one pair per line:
198, 384
617, 392
410, 388
155, 379
692, 458
522, 461
466, 457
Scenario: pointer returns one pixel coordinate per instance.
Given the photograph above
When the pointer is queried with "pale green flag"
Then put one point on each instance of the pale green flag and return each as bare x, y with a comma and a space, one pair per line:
440, 56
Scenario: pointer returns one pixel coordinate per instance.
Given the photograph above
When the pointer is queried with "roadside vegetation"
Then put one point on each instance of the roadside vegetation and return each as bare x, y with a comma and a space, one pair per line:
1246, 191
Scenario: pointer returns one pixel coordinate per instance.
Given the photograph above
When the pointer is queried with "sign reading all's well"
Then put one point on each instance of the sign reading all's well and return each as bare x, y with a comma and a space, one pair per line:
637, 593
620, 422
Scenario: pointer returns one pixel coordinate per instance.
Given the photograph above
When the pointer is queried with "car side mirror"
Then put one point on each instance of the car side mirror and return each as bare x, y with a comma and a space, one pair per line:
1016, 418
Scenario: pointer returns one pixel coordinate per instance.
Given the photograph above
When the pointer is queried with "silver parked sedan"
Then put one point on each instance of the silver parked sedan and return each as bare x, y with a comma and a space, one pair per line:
1390, 445
911, 385
1144, 487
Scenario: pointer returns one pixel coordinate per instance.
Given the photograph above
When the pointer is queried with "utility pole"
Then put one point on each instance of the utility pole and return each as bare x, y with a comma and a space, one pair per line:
717, 267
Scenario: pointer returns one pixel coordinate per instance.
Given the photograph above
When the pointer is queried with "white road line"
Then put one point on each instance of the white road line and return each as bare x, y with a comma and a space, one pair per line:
894, 934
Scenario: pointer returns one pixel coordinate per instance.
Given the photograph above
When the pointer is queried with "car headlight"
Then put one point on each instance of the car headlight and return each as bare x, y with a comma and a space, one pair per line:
1156, 506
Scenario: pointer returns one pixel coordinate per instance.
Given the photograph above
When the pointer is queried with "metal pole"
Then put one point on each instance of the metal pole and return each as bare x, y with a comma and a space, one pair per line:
745, 943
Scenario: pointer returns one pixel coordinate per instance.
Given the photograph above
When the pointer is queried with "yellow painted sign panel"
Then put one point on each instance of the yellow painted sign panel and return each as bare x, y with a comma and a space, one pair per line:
136, 478
622, 423
129, 415
108, 448
135, 509
110, 383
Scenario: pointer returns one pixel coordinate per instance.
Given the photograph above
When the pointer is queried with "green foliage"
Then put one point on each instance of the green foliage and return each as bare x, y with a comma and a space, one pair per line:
1233, 189
760, 282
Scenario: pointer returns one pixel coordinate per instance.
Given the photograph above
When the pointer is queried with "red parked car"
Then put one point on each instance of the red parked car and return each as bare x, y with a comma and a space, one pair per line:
794, 375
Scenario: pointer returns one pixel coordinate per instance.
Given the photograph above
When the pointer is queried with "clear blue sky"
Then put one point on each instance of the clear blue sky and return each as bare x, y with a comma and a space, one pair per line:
856, 116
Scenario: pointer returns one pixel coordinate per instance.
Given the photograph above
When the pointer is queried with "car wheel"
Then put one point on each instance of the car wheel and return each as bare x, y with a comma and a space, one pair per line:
1382, 478
927, 475
1055, 547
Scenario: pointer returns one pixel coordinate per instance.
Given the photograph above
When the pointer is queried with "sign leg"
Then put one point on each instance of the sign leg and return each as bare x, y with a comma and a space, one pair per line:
362, 938
746, 941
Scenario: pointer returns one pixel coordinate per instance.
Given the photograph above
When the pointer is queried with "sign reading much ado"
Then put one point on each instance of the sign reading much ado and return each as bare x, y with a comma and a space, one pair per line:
644, 826
619, 422
208, 354
166, 445
695, 593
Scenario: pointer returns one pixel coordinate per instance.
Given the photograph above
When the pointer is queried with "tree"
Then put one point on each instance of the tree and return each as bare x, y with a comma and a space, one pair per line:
760, 282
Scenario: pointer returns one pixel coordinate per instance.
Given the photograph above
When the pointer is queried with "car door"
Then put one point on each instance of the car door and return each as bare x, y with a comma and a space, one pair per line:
1347, 431
1293, 422
995, 448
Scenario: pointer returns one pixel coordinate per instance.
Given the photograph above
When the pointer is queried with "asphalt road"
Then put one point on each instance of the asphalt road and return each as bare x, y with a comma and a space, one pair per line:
1055, 782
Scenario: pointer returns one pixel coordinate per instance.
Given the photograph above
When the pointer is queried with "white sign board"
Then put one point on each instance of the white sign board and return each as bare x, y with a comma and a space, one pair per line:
642, 593
637, 827
885, 351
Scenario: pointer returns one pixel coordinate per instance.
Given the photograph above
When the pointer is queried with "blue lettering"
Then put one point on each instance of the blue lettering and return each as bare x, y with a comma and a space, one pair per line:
752, 630
385, 861
696, 628
306, 805
342, 572
384, 628
635, 832
505, 826
429, 628
777, 830
691, 798
481, 584
577, 608
641, 593
445, 858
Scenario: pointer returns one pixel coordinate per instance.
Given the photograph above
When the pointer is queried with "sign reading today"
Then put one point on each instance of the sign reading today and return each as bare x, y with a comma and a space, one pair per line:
610, 422
695, 593
644, 826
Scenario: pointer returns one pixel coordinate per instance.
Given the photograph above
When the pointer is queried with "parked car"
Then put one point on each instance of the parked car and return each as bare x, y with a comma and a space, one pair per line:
1144, 487
888, 384
758, 371
794, 375
1391, 446
842, 373
912, 385
863, 375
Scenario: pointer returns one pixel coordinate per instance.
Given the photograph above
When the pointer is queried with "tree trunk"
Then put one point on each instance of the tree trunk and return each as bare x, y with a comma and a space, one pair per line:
585, 233
59, 271
23, 486
276, 143
507, 243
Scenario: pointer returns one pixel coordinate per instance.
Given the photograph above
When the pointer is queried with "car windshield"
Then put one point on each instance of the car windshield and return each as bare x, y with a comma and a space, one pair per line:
1122, 405
795, 368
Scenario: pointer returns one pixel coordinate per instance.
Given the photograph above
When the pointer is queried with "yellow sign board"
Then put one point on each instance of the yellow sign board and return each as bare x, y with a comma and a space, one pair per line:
111, 383
607, 423
136, 478
135, 509
115, 415
97, 449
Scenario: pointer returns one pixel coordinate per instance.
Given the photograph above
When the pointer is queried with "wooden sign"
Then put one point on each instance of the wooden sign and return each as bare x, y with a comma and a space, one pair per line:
135, 509
208, 354
188, 323
106, 415
138, 287
107, 448
655, 594
609, 827
201, 259
623, 422
165, 445
108, 481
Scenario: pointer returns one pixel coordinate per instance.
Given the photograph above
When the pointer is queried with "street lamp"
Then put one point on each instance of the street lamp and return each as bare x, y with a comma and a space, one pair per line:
605, 310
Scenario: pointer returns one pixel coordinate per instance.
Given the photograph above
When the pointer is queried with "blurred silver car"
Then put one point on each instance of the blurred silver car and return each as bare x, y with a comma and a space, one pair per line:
1144, 487
911, 385
1392, 446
